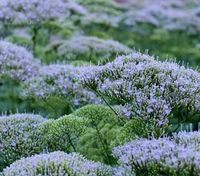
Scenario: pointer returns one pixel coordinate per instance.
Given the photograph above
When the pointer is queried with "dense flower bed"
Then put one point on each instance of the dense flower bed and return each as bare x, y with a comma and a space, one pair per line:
111, 107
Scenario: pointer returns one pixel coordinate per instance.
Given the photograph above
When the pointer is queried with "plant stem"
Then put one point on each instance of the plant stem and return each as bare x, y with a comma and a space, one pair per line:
35, 30
104, 145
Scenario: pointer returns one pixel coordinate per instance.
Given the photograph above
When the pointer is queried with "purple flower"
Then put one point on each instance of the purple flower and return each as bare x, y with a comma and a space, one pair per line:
57, 163
16, 62
60, 80
180, 153
36, 11
147, 88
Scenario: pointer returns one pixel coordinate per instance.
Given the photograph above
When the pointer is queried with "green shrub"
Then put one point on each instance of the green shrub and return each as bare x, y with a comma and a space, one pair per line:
96, 114
63, 133
20, 40
133, 129
96, 143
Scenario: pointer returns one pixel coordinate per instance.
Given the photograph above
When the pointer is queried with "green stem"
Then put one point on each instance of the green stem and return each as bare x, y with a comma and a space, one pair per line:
48, 104
99, 94
35, 30
104, 145
70, 142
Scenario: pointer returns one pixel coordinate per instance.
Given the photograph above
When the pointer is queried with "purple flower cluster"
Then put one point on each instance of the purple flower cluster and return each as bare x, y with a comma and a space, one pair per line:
34, 11
170, 15
101, 19
58, 79
57, 163
16, 62
74, 7
145, 87
164, 155
188, 139
88, 46
19, 136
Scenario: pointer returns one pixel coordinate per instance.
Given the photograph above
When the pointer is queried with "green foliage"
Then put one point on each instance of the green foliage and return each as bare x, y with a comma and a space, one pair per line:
96, 142
63, 29
62, 134
133, 129
43, 38
96, 114
107, 6
165, 44
53, 108
184, 118
81, 63
20, 40
10, 100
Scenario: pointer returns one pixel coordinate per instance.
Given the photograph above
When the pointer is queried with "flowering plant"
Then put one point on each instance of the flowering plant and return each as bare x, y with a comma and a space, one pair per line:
57, 163
163, 156
145, 88
16, 62
19, 137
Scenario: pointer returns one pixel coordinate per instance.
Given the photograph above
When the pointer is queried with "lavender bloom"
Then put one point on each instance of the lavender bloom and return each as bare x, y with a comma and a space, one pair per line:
122, 171
35, 11
188, 139
57, 163
101, 19
163, 155
74, 7
59, 80
145, 87
170, 15
16, 62
90, 47
19, 136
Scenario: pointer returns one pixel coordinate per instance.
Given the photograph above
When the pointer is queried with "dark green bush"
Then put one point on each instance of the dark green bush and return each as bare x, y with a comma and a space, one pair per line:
96, 142
62, 134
